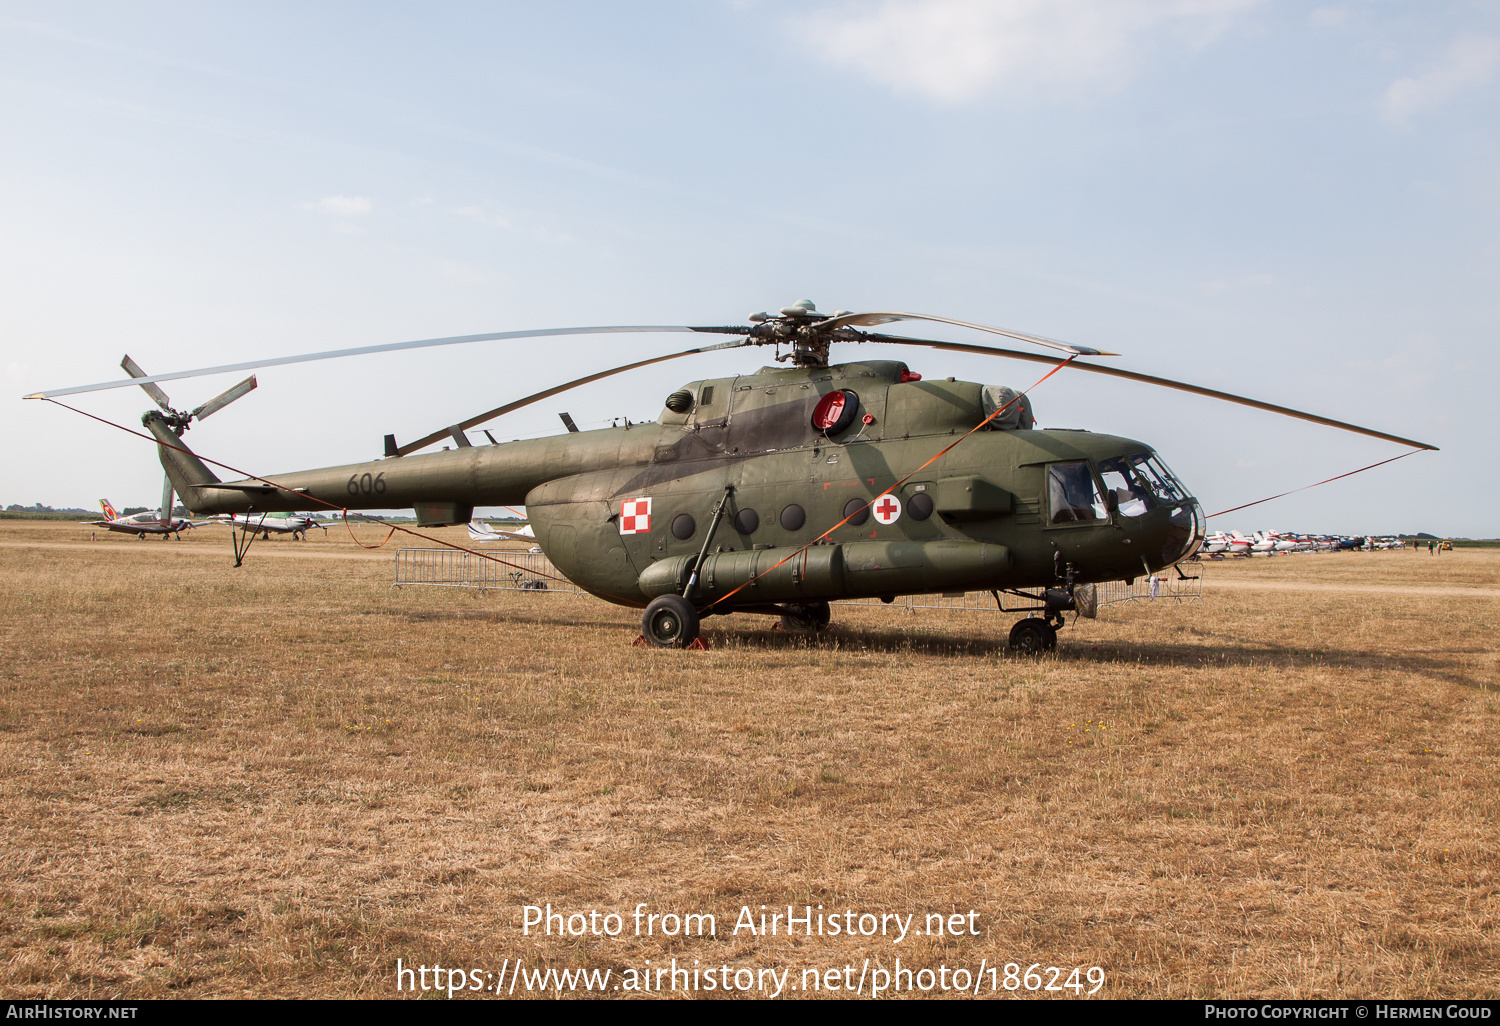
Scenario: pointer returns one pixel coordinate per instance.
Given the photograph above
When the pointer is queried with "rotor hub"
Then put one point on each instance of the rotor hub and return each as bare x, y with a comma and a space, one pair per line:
176, 420
801, 327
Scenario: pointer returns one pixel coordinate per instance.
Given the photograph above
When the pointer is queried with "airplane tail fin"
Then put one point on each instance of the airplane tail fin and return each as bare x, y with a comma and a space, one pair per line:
109, 511
185, 470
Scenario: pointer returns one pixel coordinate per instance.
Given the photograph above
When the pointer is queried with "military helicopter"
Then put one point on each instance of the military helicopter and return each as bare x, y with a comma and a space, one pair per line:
777, 491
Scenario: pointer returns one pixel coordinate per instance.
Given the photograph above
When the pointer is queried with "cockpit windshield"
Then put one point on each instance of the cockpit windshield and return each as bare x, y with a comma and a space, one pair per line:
1132, 497
1141, 483
1163, 482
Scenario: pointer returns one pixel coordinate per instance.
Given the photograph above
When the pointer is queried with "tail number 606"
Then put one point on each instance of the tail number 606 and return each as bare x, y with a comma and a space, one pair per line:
365, 484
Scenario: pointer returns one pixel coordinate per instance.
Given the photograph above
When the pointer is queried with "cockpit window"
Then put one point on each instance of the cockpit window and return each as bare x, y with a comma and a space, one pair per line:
1132, 496
1158, 478
1072, 494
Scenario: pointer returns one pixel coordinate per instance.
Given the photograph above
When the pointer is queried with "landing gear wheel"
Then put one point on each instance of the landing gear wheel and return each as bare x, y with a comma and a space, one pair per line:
805, 616
1033, 636
670, 621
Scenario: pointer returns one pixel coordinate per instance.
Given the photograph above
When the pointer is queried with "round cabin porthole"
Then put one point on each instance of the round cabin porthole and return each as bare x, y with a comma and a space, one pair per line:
746, 521
858, 511
683, 526
835, 411
919, 506
793, 517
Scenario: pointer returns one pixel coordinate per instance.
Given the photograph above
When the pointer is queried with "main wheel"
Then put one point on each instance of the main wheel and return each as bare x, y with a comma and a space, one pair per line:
670, 621
805, 616
1033, 636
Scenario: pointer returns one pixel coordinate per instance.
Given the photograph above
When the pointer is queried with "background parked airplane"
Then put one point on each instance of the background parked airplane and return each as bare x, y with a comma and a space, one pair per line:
295, 524
482, 532
141, 524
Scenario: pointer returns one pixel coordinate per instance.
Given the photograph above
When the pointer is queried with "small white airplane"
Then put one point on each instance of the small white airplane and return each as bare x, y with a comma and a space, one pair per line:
482, 532
294, 524
1239, 544
141, 524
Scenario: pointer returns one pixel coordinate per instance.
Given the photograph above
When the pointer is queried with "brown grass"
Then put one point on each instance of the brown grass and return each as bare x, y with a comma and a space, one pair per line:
277, 780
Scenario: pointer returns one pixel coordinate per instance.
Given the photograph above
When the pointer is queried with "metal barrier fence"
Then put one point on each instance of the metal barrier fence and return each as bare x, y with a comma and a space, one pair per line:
533, 571
1167, 586
972, 601
451, 568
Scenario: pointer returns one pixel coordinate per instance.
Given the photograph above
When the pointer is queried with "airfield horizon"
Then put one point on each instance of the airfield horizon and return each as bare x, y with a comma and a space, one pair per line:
278, 780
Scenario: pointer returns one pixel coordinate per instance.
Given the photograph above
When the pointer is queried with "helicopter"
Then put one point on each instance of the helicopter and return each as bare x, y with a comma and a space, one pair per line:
779, 490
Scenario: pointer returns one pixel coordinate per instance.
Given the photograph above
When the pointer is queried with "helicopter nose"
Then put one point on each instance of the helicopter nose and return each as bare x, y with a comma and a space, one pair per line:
1185, 532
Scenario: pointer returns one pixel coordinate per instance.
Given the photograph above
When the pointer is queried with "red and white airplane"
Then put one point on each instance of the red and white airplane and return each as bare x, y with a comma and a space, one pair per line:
141, 524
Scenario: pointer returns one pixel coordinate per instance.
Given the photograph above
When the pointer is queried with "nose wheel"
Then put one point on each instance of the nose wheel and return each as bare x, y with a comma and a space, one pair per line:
1033, 636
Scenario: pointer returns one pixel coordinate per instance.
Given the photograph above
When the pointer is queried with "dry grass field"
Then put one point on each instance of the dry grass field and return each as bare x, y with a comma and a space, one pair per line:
278, 780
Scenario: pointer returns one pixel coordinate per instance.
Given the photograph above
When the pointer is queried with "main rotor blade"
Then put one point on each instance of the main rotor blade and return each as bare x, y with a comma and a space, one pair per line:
1150, 379
464, 425
134, 370
224, 398
456, 340
866, 319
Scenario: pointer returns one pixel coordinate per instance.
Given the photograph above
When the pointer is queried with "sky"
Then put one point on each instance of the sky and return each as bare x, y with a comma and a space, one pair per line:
1293, 202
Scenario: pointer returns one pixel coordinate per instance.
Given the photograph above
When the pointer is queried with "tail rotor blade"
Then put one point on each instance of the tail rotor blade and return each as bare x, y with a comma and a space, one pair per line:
153, 390
166, 499
224, 398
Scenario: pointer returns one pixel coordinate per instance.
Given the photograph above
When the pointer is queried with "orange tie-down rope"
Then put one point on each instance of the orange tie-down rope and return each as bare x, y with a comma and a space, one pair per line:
871, 504
323, 502
362, 544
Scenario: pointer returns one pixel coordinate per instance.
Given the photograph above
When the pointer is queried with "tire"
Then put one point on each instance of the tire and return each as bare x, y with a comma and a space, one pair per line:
803, 617
1033, 636
670, 621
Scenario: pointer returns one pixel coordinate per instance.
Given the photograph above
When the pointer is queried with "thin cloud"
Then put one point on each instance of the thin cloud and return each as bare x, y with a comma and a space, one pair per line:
1469, 63
1331, 18
1219, 286
955, 50
341, 206
483, 216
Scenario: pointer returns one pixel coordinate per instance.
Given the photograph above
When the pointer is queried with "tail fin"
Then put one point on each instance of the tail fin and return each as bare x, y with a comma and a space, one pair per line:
109, 511
185, 470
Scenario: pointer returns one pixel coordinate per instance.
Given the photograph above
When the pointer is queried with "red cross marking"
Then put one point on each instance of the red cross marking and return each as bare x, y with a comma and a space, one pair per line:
886, 507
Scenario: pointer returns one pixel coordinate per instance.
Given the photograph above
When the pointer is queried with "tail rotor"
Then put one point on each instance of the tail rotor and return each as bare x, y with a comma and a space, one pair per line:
179, 419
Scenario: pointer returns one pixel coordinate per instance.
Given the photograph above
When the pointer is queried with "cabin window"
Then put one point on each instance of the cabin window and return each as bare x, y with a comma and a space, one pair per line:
1072, 494
707, 397
857, 511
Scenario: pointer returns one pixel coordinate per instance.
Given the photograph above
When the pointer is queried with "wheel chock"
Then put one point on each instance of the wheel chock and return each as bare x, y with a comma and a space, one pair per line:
698, 645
